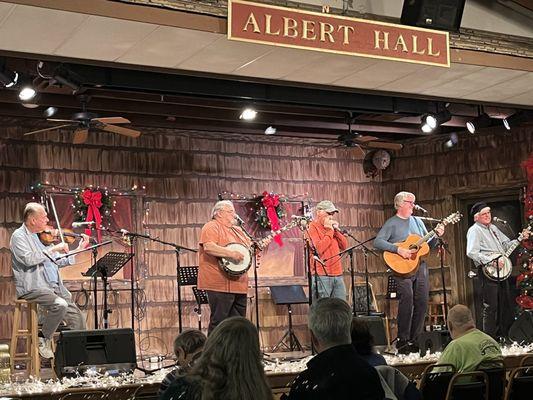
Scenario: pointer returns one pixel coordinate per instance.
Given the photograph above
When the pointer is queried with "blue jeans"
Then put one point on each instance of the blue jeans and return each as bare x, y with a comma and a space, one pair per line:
328, 286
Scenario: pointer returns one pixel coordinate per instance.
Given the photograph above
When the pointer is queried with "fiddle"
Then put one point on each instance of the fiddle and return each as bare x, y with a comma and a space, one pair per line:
50, 236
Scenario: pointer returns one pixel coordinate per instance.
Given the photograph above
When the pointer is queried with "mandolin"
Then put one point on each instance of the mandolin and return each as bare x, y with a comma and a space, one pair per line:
418, 246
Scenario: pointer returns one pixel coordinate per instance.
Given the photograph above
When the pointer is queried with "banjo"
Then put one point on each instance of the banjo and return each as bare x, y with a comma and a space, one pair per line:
499, 273
234, 268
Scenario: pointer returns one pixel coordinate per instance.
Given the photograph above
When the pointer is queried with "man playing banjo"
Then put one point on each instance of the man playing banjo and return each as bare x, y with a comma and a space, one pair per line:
226, 292
484, 243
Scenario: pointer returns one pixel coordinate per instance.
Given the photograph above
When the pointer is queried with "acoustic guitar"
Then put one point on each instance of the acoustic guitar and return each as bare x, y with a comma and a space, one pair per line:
418, 246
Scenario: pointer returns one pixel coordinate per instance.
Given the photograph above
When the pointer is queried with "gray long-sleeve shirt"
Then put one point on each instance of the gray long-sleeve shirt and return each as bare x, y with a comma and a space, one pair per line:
31, 268
482, 241
396, 230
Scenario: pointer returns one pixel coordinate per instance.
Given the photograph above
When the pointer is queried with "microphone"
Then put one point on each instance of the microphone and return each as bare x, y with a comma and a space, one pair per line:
318, 260
496, 219
239, 220
417, 207
124, 231
80, 224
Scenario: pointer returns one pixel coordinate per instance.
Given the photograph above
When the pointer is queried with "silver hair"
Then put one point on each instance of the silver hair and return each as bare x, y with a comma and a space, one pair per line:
31, 209
219, 205
330, 321
400, 197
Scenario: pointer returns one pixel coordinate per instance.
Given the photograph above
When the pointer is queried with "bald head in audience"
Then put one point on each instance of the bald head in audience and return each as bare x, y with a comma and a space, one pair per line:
460, 321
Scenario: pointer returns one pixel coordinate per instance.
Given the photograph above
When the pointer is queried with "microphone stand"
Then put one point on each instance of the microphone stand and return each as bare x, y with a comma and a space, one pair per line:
442, 249
254, 266
177, 250
366, 250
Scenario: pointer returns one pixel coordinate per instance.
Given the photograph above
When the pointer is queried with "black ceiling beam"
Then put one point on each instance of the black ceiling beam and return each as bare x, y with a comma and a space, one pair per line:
122, 79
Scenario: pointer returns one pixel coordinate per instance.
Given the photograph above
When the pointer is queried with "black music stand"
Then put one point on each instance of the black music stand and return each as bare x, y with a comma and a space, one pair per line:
187, 276
201, 298
106, 267
288, 295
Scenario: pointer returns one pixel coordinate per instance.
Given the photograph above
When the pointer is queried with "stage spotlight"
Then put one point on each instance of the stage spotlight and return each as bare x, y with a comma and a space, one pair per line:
481, 121
248, 114
27, 93
426, 128
452, 141
506, 124
270, 130
50, 112
9, 78
430, 120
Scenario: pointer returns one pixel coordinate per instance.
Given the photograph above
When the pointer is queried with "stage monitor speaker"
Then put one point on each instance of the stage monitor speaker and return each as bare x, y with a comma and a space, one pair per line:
376, 326
103, 350
522, 329
433, 341
435, 14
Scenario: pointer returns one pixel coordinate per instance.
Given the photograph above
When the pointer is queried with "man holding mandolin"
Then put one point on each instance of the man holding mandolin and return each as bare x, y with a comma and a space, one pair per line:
413, 287
37, 277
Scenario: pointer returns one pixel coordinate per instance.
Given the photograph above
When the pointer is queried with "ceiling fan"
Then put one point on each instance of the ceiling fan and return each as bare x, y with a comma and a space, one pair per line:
84, 121
360, 142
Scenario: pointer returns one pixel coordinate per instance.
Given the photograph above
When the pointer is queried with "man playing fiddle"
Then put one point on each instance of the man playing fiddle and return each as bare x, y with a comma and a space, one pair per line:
37, 278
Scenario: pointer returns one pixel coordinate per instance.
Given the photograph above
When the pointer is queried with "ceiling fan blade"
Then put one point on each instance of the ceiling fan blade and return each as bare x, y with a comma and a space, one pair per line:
324, 150
359, 152
385, 145
80, 136
364, 139
46, 129
112, 120
60, 120
120, 130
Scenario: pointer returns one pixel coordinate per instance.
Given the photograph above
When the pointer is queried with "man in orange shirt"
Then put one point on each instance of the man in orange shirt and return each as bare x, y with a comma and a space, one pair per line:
326, 240
226, 293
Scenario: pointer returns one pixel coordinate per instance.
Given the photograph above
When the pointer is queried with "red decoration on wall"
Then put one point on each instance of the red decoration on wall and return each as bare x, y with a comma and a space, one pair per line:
271, 202
93, 199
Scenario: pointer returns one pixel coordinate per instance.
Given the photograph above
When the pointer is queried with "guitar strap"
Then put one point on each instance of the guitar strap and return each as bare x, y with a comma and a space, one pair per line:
240, 236
497, 240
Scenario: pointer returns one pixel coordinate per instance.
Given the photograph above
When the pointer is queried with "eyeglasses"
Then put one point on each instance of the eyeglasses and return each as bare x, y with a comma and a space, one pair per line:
331, 213
409, 201
230, 211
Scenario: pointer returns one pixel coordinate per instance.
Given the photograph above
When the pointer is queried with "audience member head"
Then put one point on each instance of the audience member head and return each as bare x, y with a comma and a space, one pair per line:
188, 346
230, 365
460, 321
362, 339
329, 322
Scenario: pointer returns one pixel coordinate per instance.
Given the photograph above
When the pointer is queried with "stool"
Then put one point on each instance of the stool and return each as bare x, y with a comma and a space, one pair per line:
436, 312
29, 333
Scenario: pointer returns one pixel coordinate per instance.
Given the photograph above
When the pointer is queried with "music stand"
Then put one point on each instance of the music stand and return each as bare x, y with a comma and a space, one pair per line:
201, 298
187, 276
106, 267
288, 295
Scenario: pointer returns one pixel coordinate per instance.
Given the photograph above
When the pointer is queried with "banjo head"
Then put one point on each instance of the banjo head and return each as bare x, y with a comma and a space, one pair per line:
242, 267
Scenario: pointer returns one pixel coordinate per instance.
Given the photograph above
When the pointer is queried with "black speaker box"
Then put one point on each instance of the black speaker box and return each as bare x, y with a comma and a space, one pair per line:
435, 14
376, 326
522, 329
104, 350
433, 341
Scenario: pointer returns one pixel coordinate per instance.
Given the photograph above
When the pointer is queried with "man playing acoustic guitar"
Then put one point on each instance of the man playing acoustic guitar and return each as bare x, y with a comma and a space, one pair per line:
413, 290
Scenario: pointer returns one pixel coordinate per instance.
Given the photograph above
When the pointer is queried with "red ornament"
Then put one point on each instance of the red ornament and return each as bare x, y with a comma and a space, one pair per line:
525, 301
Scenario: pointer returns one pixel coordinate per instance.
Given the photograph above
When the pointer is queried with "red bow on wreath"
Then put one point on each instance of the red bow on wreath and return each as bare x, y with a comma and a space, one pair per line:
525, 301
94, 202
270, 202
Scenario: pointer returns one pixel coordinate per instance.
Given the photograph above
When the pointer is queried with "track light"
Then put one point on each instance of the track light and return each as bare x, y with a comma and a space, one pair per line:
431, 121
270, 130
27, 93
248, 114
506, 124
9, 78
50, 112
481, 121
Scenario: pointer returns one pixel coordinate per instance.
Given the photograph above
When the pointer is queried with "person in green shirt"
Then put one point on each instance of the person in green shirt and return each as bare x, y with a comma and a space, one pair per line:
470, 347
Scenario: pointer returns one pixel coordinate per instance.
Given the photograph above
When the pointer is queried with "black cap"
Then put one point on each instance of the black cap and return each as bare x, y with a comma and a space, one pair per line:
477, 208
